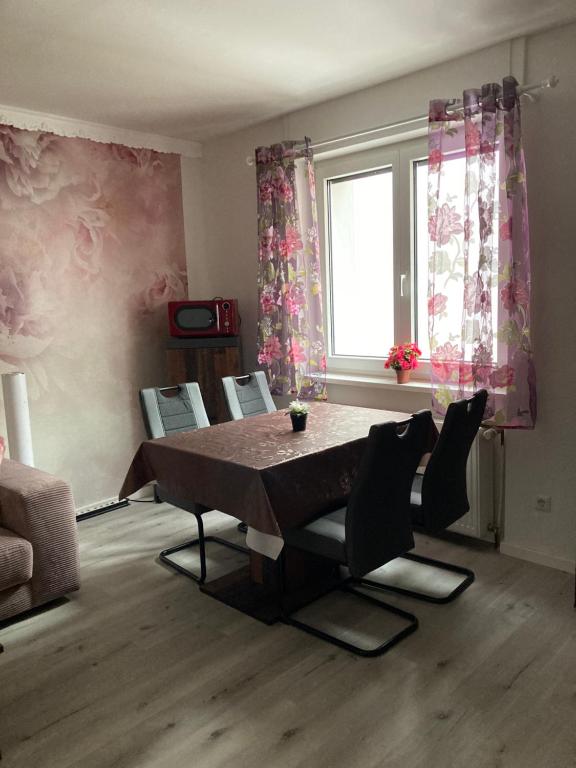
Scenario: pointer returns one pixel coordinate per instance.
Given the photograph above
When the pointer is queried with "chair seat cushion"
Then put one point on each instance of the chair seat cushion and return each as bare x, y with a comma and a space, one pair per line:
326, 536
416, 501
15, 560
416, 492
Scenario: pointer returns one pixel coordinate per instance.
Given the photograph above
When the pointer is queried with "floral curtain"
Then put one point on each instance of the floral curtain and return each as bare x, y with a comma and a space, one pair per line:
290, 326
479, 267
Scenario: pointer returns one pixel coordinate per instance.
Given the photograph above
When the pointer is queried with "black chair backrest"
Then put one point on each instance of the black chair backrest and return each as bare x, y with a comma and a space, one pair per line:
444, 494
378, 526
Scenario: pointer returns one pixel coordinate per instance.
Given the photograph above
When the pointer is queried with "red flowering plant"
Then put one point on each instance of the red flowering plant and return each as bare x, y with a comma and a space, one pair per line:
403, 357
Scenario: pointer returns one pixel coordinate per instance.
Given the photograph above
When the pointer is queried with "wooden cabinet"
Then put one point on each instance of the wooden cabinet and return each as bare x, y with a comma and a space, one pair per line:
206, 361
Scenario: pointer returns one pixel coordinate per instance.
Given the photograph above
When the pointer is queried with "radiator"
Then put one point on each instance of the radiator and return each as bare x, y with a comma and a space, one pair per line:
482, 478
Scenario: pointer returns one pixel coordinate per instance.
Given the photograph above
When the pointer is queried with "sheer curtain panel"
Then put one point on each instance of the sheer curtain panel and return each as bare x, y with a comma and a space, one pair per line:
290, 324
479, 261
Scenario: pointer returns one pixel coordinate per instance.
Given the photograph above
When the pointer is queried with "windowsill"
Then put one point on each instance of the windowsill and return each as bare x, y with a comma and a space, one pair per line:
358, 380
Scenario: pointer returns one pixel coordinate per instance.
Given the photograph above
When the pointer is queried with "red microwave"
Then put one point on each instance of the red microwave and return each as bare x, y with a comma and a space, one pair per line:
195, 319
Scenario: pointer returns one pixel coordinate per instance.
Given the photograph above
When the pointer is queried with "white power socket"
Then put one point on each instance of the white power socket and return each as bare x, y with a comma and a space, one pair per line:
543, 503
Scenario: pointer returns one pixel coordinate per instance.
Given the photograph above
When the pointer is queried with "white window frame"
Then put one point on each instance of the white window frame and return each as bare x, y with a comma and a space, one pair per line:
400, 157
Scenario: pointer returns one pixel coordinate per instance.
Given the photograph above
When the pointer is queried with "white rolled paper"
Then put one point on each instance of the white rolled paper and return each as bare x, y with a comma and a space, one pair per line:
17, 417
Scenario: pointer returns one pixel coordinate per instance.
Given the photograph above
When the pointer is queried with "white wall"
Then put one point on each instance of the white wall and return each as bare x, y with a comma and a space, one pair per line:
544, 461
223, 256
194, 229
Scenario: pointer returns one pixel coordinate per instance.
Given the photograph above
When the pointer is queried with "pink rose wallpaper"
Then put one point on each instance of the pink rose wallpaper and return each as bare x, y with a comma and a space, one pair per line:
91, 249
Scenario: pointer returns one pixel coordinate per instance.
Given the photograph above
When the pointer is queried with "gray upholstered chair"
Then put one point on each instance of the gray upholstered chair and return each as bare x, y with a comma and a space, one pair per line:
374, 527
166, 414
181, 411
248, 395
439, 496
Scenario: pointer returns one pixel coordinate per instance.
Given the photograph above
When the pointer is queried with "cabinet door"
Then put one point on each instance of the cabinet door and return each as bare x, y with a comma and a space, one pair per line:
207, 366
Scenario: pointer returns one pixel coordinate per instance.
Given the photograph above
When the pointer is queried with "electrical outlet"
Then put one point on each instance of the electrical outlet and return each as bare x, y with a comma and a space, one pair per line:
543, 503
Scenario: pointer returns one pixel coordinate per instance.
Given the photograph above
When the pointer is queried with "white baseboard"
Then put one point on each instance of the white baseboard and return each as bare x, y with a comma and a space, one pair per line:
96, 505
540, 558
144, 492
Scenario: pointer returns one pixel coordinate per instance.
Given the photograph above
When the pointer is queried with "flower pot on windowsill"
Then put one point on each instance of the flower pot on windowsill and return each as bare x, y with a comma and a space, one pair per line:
402, 358
298, 421
403, 376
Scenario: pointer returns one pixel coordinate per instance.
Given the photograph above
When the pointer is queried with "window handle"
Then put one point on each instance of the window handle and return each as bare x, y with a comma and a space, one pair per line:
403, 291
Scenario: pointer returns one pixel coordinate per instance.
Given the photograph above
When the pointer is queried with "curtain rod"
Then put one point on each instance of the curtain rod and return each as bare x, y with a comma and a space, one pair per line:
549, 82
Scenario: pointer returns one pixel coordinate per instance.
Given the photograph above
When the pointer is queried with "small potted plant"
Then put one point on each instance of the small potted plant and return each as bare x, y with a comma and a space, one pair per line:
403, 358
298, 412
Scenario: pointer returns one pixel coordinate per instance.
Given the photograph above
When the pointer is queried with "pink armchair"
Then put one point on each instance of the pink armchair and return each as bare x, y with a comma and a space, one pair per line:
38, 539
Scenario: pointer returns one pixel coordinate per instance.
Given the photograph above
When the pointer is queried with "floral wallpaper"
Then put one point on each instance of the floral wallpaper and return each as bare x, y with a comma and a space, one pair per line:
91, 249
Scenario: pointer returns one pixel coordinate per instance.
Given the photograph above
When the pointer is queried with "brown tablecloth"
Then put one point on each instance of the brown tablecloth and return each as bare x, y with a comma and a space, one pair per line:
258, 469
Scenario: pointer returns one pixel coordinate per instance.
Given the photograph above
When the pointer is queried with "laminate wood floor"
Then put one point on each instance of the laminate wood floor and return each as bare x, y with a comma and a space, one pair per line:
140, 670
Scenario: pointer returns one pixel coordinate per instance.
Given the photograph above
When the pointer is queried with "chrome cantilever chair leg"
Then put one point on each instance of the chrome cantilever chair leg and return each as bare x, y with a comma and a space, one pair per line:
428, 598
201, 542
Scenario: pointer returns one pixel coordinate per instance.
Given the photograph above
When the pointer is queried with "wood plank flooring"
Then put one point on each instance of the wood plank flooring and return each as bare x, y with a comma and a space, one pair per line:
141, 670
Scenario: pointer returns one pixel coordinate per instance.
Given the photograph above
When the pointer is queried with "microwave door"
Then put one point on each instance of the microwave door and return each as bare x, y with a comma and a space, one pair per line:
196, 319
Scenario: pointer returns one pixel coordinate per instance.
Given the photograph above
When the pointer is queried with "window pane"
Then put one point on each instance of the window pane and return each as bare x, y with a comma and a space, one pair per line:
361, 260
421, 255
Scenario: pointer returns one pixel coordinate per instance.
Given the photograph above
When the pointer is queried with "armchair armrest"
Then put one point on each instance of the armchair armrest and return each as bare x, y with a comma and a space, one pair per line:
40, 508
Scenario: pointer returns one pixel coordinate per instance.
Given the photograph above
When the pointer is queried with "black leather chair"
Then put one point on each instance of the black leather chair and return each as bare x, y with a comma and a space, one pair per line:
439, 496
375, 527
165, 414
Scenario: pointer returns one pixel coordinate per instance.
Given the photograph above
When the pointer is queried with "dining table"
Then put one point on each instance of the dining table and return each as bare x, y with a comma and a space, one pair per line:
261, 472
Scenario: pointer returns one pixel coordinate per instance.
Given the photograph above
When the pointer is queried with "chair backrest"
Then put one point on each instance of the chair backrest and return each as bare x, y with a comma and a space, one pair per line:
444, 493
180, 411
378, 525
248, 395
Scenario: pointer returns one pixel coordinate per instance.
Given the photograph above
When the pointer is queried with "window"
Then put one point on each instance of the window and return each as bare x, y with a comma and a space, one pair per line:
361, 252
373, 208
420, 218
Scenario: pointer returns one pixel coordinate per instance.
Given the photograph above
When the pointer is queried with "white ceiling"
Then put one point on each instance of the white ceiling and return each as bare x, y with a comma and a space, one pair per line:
192, 69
